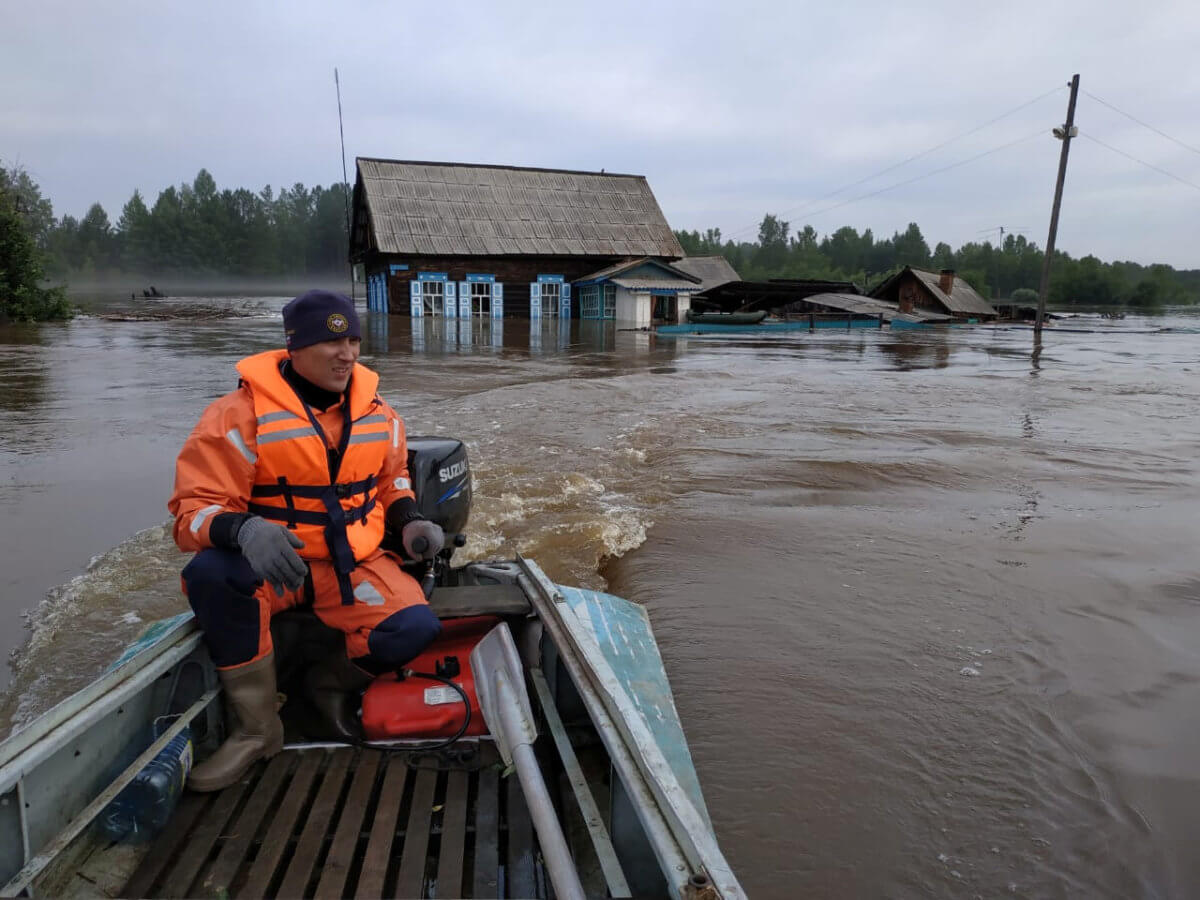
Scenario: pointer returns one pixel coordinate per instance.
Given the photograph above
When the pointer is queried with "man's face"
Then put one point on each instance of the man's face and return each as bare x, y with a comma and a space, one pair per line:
327, 364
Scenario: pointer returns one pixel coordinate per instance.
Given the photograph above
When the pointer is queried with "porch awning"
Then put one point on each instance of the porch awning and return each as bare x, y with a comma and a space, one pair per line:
655, 284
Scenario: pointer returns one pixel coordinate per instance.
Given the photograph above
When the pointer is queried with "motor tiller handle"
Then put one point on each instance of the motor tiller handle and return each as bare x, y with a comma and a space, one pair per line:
429, 580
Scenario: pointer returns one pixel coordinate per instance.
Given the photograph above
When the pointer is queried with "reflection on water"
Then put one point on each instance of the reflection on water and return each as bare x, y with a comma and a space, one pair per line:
436, 335
931, 621
22, 369
910, 350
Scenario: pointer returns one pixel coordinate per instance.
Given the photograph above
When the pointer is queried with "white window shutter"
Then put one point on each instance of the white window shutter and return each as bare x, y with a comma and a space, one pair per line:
497, 300
449, 302
564, 302
414, 299
464, 299
535, 300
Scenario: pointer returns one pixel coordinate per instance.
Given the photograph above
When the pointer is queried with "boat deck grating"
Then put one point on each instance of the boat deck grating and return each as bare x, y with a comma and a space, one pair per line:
349, 822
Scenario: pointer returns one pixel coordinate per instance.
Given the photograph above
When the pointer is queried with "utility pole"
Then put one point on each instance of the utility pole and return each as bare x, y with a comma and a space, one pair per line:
1064, 133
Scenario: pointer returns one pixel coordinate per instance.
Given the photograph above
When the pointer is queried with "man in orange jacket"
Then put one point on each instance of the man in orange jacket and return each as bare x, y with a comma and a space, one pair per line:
284, 488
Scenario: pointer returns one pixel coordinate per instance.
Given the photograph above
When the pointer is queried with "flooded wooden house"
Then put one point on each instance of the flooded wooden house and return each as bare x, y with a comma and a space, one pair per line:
918, 291
480, 241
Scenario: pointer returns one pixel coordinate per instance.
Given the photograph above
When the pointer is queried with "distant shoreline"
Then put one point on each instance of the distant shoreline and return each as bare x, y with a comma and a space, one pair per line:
186, 286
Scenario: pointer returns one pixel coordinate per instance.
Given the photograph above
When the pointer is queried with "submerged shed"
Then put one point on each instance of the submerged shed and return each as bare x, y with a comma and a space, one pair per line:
916, 290
780, 296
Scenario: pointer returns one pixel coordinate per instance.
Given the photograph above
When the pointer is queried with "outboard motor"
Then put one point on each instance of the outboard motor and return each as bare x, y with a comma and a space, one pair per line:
441, 479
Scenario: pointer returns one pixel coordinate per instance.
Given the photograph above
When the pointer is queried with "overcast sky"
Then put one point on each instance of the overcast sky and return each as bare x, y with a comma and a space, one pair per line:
730, 109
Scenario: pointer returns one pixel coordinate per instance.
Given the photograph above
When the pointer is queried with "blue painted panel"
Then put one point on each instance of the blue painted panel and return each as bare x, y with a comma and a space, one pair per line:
535, 299
449, 301
398, 267
414, 299
431, 276
471, 277
550, 279
497, 301
622, 632
564, 302
464, 300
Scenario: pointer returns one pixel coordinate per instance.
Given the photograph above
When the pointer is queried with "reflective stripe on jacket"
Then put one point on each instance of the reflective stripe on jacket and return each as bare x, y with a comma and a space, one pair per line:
246, 441
337, 514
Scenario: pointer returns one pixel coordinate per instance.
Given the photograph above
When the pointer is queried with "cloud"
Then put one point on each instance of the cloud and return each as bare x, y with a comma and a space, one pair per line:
730, 110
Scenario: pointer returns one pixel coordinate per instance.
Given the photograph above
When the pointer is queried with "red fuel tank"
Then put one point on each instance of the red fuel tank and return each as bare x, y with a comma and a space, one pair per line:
418, 708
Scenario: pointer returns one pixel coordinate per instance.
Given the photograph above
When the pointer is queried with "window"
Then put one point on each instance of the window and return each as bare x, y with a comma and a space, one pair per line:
589, 302
432, 295
598, 301
551, 294
481, 298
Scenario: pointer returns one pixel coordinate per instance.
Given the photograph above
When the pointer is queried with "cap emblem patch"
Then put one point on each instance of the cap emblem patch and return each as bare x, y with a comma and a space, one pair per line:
337, 323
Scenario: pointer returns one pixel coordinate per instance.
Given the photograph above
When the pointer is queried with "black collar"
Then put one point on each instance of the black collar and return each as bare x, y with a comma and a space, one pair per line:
312, 394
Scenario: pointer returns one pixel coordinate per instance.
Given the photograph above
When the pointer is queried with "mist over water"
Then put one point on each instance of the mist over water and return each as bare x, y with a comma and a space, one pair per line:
928, 605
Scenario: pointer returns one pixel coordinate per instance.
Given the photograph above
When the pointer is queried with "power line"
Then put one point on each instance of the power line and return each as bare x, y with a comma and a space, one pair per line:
803, 207
956, 165
1095, 140
1143, 124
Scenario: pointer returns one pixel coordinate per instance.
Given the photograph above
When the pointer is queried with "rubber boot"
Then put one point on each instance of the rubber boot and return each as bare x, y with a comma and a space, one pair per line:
334, 686
250, 693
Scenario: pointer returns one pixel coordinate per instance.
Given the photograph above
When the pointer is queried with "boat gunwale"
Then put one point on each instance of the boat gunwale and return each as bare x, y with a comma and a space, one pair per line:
691, 836
45, 735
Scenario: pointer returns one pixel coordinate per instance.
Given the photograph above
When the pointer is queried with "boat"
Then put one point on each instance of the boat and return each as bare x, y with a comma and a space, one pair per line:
578, 782
730, 318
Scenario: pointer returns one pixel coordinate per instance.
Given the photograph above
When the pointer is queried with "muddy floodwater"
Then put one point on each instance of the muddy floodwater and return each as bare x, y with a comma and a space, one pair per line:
930, 604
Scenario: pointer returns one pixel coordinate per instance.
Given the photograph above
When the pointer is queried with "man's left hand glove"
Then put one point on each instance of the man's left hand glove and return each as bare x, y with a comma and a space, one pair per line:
432, 534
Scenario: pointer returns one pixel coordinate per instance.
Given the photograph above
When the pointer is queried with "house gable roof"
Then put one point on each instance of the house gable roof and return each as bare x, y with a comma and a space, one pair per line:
711, 270
962, 297
643, 270
452, 209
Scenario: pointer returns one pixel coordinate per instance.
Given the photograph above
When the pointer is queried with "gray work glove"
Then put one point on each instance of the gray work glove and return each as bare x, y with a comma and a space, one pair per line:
268, 549
422, 539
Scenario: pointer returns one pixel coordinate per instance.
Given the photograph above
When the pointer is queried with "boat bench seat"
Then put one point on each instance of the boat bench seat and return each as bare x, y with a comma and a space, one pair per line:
479, 600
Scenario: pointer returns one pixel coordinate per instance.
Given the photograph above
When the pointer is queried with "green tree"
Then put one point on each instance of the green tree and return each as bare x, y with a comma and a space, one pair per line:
911, 248
771, 254
95, 245
21, 261
135, 236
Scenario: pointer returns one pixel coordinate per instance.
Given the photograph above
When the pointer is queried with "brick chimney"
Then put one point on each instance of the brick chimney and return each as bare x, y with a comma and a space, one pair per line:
946, 281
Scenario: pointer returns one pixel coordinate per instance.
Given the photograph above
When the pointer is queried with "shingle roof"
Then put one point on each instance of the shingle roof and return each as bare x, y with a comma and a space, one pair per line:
452, 209
962, 297
856, 303
655, 284
711, 270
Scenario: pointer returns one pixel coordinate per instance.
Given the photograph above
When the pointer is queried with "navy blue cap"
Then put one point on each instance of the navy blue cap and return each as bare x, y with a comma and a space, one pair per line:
318, 316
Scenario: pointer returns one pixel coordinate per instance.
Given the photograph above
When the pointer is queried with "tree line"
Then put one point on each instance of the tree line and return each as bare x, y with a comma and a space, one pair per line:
197, 230
1011, 268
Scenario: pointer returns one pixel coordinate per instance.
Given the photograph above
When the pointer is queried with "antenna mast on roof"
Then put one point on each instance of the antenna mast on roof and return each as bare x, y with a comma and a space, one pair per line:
345, 182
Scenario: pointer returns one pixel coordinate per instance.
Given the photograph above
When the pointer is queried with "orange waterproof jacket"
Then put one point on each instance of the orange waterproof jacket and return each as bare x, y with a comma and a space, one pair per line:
262, 450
